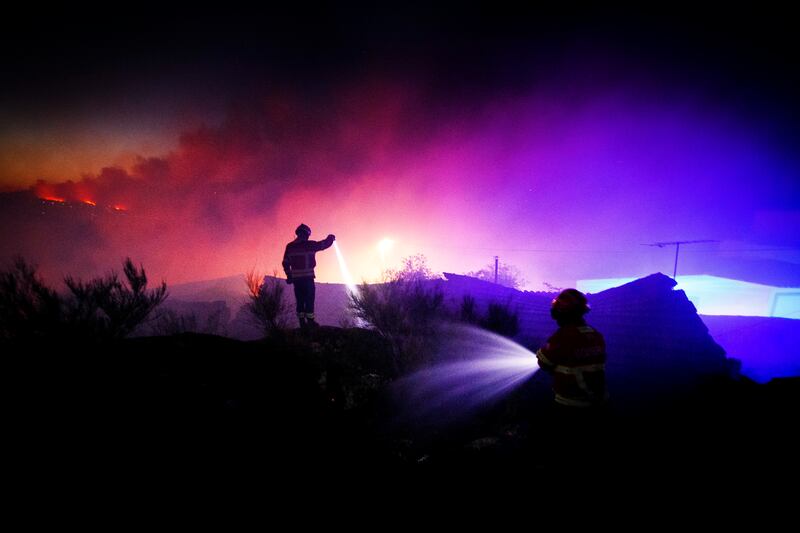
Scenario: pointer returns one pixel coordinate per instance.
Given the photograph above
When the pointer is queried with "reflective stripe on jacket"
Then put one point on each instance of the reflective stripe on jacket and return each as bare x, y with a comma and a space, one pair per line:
576, 356
299, 260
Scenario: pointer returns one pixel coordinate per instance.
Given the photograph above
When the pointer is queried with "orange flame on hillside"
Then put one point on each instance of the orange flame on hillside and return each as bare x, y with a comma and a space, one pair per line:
53, 199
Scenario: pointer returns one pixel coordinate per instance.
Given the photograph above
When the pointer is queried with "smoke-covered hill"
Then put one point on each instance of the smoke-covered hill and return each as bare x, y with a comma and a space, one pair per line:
331, 303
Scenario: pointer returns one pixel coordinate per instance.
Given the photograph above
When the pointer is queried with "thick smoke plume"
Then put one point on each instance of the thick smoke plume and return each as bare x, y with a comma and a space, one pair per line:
565, 181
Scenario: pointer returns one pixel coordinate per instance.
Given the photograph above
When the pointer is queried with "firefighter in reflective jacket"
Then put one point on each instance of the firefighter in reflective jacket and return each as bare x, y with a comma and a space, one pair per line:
298, 264
575, 355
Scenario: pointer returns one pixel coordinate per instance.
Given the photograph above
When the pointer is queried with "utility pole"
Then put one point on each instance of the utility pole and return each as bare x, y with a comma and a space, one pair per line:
496, 262
677, 245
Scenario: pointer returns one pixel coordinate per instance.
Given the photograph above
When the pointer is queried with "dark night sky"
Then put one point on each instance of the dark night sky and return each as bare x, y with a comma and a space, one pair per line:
87, 55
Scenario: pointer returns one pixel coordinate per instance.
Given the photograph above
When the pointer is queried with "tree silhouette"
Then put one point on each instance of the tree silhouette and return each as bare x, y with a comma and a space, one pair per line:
507, 275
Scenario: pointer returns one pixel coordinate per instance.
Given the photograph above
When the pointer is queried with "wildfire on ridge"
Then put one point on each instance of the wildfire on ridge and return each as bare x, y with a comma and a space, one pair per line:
84, 201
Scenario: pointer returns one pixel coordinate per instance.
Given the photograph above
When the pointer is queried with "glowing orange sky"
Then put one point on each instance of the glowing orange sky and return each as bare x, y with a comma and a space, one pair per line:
59, 154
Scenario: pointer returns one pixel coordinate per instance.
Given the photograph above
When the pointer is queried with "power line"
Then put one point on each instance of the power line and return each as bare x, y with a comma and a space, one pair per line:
632, 251
526, 250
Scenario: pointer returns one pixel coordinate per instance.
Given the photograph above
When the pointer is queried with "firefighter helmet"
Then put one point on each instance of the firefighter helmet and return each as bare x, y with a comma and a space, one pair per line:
302, 229
570, 302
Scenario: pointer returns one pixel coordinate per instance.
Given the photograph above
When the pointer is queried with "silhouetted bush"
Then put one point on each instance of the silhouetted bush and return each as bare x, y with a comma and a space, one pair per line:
404, 309
501, 320
103, 308
415, 268
110, 308
267, 304
28, 307
468, 312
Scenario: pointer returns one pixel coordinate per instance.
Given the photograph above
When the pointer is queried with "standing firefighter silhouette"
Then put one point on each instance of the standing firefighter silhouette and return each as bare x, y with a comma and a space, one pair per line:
575, 354
298, 264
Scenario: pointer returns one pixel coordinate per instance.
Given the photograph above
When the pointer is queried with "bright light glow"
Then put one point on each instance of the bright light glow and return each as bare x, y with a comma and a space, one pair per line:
89, 202
120, 208
385, 245
54, 199
348, 279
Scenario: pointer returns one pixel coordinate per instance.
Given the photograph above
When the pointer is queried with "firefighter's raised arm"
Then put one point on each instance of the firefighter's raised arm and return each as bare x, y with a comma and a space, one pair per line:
327, 243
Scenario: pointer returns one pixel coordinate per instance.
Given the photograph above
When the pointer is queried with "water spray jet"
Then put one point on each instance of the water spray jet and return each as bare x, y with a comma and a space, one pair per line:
474, 369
